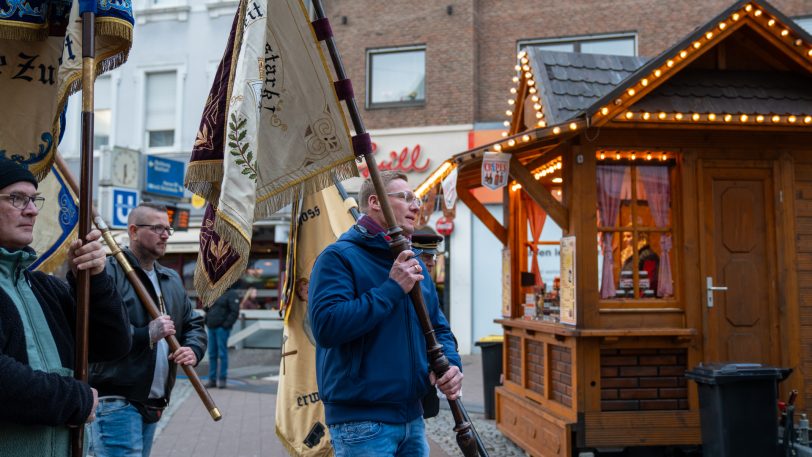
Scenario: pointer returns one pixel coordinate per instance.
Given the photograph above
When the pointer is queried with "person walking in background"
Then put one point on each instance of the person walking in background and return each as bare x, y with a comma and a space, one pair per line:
40, 398
134, 390
220, 318
371, 361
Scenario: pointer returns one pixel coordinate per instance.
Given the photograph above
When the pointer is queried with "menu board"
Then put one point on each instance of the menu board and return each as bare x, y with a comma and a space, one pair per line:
567, 293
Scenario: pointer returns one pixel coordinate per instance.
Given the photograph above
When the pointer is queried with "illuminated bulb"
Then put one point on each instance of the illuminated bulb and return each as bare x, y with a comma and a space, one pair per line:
558, 180
784, 32
511, 101
808, 119
521, 54
573, 126
558, 192
670, 63
634, 156
539, 114
528, 75
629, 115
696, 45
559, 165
678, 116
775, 118
511, 142
517, 68
506, 123
648, 156
535, 98
759, 118
617, 156
711, 117
683, 54
537, 176
497, 147
728, 117
809, 53
530, 82
646, 116
556, 130
512, 90
661, 116
722, 26
509, 112
603, 156
524, 60
792, 119
532, 90
748, 8
644, 82
771, 22
630, 92
542, 124
709, 35
604, 111
735, 16
743, 118
695, 116
657, 73
757, 13
526, 138
504, 134
515, 79
663, 157
798, 42
526, 67
536, 106
515, 187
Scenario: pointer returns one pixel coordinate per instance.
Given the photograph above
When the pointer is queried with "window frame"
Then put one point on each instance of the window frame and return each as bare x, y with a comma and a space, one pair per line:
676, 271
369, 83
578, 40
180, 77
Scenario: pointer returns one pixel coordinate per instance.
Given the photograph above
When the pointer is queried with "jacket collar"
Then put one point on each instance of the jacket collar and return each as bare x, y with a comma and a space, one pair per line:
161, 270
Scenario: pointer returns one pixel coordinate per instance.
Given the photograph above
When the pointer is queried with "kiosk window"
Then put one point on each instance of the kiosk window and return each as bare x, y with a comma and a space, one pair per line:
634, 231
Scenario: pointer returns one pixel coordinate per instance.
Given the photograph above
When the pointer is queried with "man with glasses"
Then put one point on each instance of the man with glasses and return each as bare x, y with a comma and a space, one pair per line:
371, 360
40, 398
134, 390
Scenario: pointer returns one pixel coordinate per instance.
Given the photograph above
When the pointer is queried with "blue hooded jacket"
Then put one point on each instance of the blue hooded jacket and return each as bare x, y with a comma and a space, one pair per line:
371, 361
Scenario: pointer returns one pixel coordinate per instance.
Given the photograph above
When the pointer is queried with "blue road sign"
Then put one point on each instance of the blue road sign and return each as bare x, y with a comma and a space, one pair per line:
124, 201
165, 176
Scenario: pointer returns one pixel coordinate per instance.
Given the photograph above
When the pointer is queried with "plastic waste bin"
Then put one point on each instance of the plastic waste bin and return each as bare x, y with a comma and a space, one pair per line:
491, 370
738, 408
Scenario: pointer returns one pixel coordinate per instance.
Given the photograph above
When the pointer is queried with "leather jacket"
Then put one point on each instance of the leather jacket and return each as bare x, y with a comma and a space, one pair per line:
131, 376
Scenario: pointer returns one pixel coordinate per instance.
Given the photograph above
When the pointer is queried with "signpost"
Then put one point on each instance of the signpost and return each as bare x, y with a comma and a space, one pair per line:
165, 177
445, 226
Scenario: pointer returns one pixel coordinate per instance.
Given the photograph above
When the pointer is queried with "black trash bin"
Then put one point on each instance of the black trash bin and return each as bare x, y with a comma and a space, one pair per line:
738, 404
491, 370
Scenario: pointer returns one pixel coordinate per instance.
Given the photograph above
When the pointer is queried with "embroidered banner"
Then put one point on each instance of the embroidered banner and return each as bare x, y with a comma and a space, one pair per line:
34, 87
280, 131
57, 222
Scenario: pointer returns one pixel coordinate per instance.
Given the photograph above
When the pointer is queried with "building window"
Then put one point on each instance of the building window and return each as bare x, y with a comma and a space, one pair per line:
103, 111
634, 231
396, 77
615, 44
160, 113
805, 23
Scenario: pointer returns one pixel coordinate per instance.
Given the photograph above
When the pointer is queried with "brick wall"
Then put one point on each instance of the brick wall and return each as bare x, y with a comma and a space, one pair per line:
514, 359
561, 374
803, 251
643, 379
535, 366
470, 54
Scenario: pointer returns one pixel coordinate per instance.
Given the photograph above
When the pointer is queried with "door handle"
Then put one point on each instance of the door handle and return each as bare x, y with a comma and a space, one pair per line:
710, 289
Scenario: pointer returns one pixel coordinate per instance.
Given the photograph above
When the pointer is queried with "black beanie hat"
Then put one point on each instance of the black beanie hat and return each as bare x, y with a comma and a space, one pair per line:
11, 172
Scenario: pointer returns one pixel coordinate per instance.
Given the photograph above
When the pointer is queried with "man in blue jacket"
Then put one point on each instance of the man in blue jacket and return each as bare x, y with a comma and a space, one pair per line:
371, 362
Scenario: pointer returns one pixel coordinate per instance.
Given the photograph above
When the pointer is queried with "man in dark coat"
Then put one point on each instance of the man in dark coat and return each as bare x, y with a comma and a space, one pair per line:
220, 318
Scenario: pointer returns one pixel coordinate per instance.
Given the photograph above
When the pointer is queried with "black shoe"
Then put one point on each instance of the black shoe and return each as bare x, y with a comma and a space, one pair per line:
211, 384
222, 384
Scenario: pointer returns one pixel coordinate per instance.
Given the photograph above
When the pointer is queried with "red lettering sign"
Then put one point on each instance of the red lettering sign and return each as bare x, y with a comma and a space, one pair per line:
405, 161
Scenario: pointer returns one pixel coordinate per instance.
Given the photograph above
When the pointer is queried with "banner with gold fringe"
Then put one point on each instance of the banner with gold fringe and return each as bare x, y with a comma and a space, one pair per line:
272, 128
323, 217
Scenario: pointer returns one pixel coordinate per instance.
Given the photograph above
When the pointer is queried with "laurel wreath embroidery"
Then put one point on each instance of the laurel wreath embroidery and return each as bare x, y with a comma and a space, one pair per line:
245, 158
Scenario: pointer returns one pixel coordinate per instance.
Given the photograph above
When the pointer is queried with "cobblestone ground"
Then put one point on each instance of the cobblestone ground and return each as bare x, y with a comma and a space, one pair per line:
441, 430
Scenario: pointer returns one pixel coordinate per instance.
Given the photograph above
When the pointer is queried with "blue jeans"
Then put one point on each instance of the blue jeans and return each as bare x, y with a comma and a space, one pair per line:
377, 439
119, 430
218, 348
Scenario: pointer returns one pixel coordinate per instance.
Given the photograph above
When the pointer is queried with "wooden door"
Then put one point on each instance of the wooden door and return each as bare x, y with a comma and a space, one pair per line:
739, 253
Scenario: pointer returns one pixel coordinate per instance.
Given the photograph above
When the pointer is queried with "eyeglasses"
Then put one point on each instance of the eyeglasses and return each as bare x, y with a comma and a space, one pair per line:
158, 229
408, 197
21, 201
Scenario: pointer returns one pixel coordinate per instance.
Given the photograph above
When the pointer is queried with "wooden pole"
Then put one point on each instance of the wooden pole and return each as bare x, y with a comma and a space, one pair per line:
437, 359
143, 295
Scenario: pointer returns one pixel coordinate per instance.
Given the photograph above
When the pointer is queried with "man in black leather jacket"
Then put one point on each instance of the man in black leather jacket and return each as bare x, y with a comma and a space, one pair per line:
134, 390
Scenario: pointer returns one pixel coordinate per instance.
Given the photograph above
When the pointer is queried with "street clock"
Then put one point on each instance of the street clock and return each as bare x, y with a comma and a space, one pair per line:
122, 167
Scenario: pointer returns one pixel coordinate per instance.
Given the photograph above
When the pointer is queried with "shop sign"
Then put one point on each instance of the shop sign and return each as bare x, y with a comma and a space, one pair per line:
495, 170
445, 226
567, 303
406, 161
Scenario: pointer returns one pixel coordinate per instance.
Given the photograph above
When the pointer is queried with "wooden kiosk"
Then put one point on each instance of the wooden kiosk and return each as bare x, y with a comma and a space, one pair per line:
669, 177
